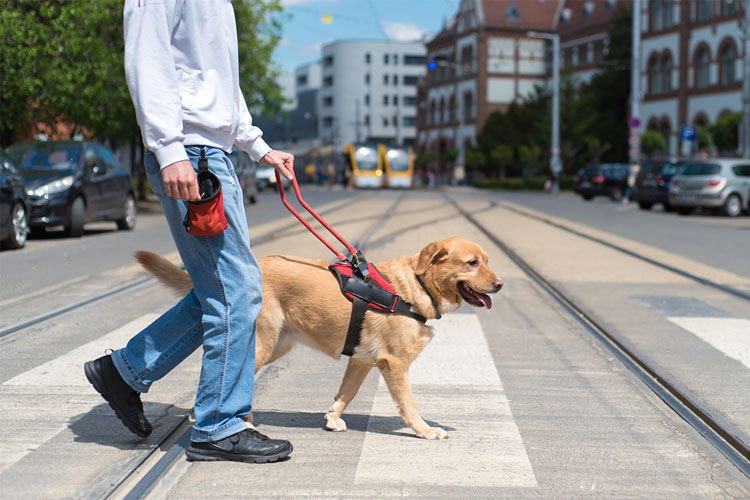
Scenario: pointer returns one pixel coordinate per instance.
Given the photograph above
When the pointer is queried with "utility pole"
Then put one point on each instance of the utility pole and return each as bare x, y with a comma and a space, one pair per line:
635, 89
555, 163
746, 86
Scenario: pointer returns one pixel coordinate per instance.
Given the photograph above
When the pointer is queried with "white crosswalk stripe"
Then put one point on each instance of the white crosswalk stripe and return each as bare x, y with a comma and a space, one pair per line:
456, 385
731, 336
57, 390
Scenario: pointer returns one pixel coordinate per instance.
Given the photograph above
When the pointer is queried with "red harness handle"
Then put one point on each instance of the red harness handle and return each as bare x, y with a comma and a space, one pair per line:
352, 251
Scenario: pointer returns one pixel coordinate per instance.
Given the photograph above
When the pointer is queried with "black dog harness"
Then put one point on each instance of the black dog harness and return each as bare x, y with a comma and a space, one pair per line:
370, 290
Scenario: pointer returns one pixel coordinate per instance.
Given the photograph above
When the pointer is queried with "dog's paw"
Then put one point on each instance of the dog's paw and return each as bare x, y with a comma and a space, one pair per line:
335, 424
433, 433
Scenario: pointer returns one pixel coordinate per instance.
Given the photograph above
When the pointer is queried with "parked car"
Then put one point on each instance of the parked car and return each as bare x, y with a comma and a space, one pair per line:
71, 183
717, 183
246, 170
14, 206
608, 179
652, 183
267, 178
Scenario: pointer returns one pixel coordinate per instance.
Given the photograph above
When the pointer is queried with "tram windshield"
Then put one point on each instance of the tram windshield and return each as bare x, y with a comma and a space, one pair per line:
398, 160
367, 158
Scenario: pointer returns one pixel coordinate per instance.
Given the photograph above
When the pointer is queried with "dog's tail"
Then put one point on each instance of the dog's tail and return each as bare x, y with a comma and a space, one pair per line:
170, 275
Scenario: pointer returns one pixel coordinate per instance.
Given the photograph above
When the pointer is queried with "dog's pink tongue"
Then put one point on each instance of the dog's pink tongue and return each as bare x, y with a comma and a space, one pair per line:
485, 300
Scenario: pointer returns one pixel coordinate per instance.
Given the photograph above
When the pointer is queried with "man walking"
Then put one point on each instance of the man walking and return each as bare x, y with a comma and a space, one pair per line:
181, 65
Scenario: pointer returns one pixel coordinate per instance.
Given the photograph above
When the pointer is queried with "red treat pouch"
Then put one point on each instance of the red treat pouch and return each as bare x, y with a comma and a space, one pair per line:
205, 217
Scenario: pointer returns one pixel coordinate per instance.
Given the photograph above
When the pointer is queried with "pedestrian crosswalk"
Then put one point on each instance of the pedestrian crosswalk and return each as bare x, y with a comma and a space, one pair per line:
731, 336
457, 387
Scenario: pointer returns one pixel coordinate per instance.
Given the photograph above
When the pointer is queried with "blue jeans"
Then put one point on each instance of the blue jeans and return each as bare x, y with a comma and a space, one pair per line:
218, 313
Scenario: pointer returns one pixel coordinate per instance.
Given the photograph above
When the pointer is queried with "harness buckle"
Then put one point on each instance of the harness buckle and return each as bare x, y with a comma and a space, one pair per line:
359, 265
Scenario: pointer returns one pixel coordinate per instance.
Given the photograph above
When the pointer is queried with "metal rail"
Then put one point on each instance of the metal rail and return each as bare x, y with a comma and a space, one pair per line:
264, 238
702, 418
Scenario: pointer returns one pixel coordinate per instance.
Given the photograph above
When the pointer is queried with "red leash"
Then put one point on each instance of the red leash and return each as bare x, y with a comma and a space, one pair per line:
356, 258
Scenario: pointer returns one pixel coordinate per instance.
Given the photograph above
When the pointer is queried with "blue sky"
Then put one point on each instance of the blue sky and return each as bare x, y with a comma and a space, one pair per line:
304, 32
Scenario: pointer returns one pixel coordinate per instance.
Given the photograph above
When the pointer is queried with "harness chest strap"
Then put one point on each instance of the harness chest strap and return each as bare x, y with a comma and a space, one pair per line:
366, 295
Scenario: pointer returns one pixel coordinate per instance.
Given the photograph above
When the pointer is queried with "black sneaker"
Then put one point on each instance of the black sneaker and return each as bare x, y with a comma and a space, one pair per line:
248, 445
124, 400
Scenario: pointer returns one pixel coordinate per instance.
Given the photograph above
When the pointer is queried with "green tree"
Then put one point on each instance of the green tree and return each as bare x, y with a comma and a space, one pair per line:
63, 61
724, 132
704, 138
652, 142
502, 156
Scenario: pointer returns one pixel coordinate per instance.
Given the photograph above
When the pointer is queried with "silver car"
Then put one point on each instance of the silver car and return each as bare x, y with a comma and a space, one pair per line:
715, 183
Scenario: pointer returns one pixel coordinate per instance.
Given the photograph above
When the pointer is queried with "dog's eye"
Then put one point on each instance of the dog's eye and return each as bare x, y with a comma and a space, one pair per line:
473, 263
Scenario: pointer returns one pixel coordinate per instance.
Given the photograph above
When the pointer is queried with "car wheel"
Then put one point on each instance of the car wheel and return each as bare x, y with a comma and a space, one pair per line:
733, 206
616, 194
685, 210
19, 221
129, 211
668, 207
588, 198
76, 218
645, 205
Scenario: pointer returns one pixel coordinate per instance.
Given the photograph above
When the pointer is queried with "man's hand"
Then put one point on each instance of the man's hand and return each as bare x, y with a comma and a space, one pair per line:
181, 181
283, 162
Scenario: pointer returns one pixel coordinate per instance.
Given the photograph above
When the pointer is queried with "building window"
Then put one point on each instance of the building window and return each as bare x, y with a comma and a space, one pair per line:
385, 58
511, 14
410, 60
328, 101
385, 121
598, 52
328, 81
385, 100
395, 100
701, 68
668, 14
328, 61
395, 79
452, 105
666, 73
728, 7
328, 121
654, 73
655, 15
442, 118
728, 58
367, 58
385, 79
367, 78
395, 58
468, 106
704, 10
409, 121
410, 100
411, 80
367, 120
367, 99
302, 80
588, 8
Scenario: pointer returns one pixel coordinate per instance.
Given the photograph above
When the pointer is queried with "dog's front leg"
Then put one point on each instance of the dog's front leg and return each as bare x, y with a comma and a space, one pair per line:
396, 376
353, 377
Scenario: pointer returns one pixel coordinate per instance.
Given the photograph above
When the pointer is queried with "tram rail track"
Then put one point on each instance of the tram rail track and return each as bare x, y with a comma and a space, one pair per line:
709, 423
259, 240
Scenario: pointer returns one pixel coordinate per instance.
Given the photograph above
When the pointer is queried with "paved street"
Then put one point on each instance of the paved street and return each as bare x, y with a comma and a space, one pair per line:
536, 407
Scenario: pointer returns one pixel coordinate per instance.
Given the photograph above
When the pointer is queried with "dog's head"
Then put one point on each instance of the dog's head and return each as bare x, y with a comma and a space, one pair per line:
456, 269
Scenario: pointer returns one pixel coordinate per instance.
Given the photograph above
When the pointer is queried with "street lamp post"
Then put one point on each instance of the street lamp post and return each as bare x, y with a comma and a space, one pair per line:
555, 164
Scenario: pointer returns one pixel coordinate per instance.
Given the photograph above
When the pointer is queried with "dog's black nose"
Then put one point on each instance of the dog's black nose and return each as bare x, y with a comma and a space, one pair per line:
498, 284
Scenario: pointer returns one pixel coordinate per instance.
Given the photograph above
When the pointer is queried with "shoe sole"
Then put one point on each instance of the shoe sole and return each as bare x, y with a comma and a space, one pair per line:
93, 377
195, 455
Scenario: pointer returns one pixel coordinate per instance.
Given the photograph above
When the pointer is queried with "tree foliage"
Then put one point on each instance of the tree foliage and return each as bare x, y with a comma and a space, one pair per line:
652, 142
724, 132
62, 61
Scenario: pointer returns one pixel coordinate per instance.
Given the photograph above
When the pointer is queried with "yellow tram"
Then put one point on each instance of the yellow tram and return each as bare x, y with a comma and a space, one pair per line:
399, 166
366, 165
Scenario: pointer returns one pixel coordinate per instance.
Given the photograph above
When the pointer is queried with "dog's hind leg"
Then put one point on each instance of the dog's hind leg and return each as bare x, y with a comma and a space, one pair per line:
396, 376
353, 377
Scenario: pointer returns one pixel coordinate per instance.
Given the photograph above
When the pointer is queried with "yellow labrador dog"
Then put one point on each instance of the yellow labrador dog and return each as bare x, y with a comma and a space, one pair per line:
302, 302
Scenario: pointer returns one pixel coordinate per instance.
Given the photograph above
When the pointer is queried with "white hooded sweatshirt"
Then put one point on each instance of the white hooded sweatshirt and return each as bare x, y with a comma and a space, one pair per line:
182, 70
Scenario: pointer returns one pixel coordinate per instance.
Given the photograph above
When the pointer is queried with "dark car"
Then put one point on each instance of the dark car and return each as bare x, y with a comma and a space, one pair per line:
607, 179
246, 169
71, 183
14, 206
652, 183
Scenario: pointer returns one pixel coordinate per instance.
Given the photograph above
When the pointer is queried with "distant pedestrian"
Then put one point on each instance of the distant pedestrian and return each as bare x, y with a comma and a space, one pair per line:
181, 65
635, 167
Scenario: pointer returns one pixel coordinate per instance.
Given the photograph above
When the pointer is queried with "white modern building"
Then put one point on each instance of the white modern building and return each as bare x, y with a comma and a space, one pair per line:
368, 91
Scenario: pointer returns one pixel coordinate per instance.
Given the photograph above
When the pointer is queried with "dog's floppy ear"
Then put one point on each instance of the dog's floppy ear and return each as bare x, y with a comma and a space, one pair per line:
431, 254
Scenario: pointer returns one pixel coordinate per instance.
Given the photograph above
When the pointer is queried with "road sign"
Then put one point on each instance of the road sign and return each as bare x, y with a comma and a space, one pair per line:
687, 133
634, 122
